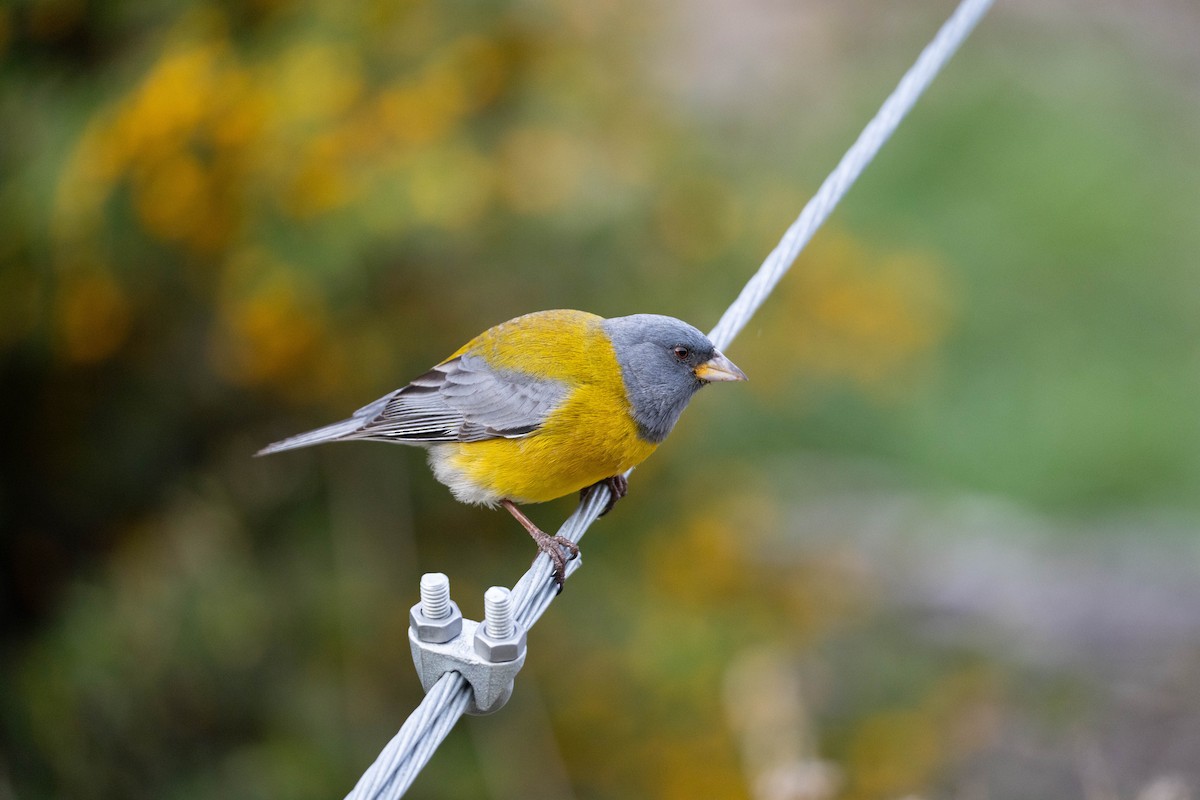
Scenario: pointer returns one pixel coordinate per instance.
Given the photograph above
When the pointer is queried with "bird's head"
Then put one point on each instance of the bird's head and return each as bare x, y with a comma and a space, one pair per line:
663, 362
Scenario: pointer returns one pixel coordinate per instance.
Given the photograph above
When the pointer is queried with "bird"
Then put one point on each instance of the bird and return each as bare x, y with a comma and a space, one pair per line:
542, 406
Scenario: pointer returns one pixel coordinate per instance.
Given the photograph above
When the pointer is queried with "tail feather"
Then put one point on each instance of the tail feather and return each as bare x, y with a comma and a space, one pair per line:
330, 433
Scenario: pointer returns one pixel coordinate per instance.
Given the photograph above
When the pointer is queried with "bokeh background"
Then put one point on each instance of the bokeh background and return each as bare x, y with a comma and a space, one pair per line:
943, 545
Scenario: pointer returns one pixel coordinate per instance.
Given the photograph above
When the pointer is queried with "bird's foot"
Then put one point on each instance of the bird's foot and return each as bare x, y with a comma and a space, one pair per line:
618, 487
553, 546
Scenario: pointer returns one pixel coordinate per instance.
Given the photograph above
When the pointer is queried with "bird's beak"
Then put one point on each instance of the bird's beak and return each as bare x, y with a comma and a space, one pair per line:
719, 368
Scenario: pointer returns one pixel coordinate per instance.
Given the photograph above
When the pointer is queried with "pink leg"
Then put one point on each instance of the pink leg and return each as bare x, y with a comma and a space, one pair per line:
552, 546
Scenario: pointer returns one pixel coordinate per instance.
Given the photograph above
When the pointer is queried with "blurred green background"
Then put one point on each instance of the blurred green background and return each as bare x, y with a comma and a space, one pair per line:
943, 545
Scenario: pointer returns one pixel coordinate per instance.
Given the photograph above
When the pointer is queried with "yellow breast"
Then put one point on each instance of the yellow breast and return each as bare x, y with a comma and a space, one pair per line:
591, 436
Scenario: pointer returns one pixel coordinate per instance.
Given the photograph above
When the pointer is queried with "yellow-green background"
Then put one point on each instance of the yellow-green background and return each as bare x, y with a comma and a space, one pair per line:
943, 544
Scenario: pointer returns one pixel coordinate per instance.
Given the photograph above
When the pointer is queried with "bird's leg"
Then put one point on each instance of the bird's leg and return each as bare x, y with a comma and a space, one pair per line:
552, 546
618, 486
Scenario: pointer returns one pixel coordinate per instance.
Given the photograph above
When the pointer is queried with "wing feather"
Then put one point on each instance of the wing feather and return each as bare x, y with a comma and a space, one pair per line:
461, 400
464, 400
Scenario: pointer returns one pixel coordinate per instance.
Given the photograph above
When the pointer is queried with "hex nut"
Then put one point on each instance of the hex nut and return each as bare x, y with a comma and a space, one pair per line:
436, 631
499, 650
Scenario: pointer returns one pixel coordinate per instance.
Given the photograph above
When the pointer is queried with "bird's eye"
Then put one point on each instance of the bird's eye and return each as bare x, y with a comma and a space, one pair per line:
680, 352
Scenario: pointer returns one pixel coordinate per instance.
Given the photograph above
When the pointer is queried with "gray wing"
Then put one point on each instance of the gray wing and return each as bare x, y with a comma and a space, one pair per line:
462, 400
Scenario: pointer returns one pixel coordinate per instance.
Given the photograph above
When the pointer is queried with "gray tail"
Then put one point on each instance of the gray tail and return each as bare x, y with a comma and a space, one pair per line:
330, 433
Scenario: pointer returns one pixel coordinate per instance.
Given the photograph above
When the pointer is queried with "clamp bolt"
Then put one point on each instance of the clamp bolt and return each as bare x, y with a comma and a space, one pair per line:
499, 638
436, 619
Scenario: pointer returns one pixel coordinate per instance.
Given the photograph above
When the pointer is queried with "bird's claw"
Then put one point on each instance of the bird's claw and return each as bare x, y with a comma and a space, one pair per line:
618, 487
553, 546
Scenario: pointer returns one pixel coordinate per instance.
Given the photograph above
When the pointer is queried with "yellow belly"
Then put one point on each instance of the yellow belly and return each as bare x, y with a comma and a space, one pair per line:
590, 438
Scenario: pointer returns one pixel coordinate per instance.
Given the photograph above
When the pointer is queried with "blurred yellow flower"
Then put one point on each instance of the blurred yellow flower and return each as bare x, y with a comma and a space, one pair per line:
270, 321
481, 68
314, 81
93, 315
715, 535
422, 111
892, 753
450, 187
320, 181
149, 136
171, 101
240, 110
170, 194
850, 314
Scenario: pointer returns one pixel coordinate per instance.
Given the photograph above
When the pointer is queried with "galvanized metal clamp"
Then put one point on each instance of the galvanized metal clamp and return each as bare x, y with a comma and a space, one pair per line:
487, 654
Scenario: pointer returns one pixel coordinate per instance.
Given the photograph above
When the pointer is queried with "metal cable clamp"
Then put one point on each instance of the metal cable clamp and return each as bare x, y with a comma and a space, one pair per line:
487, 654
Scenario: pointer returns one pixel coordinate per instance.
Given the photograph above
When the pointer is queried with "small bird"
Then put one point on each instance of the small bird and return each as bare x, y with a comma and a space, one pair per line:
541, 406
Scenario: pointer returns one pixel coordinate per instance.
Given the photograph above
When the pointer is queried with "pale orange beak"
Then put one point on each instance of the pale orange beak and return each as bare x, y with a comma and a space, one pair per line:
719, 368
